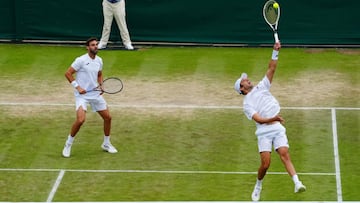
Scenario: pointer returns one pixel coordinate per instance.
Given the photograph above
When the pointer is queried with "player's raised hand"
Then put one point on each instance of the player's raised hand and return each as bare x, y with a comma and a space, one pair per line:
277, 46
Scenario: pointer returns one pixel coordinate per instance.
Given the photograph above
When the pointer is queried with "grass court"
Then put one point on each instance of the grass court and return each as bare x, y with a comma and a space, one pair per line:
178, 126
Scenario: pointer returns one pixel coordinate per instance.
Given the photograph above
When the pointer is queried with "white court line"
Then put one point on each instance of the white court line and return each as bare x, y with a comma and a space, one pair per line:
206, 202
55, 186
336, 155
170, 106
158, 171
210, 202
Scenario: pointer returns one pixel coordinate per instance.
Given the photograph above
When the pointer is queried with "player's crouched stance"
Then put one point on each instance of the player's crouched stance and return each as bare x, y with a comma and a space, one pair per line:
262, 107
88, 70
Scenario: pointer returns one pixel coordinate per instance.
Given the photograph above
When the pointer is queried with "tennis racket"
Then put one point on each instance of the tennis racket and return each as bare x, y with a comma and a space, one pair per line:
271, 15
111, 85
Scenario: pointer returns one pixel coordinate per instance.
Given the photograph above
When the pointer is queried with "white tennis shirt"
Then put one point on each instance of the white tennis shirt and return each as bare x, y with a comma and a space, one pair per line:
260, 100
87, 70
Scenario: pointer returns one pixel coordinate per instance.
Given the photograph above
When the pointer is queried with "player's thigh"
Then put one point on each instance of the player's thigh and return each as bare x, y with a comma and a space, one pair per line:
265, 158
105, 114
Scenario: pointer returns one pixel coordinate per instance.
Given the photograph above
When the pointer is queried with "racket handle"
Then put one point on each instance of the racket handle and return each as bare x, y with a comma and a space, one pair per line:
91, 90
276, 36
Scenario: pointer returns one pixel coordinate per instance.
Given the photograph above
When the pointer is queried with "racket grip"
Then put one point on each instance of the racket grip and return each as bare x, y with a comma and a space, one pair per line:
276, 36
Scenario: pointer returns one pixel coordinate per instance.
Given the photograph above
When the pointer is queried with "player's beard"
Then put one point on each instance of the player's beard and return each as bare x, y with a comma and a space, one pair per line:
94, 51
248, 89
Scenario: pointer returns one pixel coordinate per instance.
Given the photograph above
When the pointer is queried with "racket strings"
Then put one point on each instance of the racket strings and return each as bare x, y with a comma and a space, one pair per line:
271, 14
112, 85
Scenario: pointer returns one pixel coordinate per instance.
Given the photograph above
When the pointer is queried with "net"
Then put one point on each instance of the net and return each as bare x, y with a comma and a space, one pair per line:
112, 85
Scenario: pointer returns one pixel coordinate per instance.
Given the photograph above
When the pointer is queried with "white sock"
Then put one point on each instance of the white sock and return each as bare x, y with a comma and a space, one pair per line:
259, 182
106, 139
70, 140
295, 178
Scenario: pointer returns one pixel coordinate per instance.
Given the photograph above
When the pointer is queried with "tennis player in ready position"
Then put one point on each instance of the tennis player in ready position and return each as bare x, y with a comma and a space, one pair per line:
88, 70
261, 106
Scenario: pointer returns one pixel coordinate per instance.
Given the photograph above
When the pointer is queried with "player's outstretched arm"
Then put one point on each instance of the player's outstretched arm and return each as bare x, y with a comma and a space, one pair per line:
273, 62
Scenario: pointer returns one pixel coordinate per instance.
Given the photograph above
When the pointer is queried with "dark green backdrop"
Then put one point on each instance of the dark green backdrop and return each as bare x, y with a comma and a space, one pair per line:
324, 22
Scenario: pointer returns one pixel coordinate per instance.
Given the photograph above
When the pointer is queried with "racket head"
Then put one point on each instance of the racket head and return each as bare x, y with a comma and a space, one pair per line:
271, 14
112, 85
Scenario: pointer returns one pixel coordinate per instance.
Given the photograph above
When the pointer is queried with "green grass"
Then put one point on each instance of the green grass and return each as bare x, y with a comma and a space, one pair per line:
349, 140
212, 140
20, 186
173, 139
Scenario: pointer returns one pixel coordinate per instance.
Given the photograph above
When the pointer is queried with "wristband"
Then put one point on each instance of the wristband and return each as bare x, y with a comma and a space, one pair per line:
275, 55
74, 84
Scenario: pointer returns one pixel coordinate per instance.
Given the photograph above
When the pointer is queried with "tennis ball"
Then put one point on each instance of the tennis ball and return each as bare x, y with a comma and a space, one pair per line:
276, 5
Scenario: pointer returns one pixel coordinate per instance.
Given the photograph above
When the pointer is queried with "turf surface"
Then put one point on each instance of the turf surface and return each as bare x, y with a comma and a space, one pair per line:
175, 153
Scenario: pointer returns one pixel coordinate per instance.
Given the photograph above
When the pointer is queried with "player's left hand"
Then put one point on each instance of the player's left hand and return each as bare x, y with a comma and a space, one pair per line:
280, 119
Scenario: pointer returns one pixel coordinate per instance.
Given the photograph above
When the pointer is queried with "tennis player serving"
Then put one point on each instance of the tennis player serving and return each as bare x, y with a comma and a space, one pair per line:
262, 107
88, 71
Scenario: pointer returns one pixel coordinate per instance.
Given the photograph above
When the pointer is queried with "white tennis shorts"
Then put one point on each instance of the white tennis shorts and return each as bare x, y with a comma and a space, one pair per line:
97, 103
271, 136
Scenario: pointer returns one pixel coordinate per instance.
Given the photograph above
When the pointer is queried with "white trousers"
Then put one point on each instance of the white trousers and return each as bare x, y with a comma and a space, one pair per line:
117, 11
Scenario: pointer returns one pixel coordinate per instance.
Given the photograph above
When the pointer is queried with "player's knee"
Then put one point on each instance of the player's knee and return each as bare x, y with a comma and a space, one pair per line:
107, 118
285, 157
80, 121
265, 164
284, 154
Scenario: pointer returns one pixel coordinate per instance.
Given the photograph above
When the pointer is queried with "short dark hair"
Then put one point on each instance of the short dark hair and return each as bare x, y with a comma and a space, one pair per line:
90, 40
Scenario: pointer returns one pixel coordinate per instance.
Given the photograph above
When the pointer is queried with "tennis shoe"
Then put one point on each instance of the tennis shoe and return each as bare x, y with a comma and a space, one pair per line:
67, 150
101, 45
128, 46
299, 187
255, 196
109, 148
